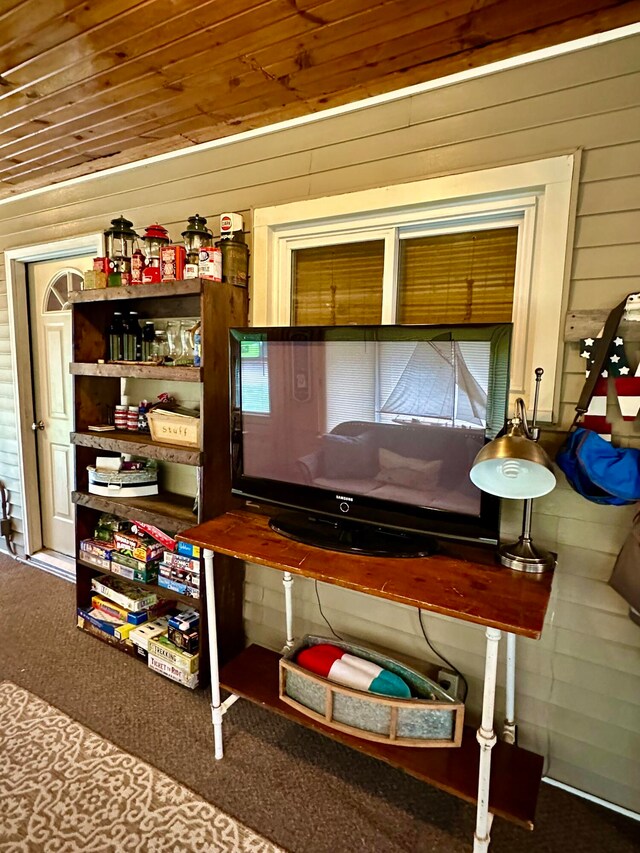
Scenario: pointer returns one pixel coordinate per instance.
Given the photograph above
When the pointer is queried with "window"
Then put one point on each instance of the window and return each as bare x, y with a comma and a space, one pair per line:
57, 295
495, 242
255, 377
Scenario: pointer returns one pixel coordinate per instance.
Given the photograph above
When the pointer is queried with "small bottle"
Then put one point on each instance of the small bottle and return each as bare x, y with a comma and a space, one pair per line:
115, 337
148, 337
135, 337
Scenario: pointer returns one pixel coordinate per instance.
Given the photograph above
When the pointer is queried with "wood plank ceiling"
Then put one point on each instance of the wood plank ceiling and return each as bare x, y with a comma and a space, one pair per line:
89, 84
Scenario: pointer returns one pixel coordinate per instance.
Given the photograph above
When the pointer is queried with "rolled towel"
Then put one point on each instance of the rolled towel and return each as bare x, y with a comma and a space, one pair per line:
339, 666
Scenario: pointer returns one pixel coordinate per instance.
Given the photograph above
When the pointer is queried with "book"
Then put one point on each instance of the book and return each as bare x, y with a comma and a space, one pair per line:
101, 427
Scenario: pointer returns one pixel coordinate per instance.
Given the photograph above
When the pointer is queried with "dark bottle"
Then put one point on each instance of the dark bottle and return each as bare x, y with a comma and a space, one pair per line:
135, 337
126, 340
115, 337
148, 337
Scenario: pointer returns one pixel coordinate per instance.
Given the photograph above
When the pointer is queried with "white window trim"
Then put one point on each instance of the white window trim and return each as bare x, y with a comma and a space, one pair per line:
538, 196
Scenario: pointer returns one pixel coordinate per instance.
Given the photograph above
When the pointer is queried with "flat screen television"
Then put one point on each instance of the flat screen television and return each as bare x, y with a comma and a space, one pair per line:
367, 434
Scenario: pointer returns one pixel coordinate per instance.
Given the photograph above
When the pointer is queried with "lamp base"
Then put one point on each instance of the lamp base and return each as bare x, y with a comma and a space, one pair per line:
524, 556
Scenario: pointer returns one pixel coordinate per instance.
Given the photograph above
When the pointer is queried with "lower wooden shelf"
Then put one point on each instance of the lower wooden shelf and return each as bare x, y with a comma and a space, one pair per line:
161, 591
110, 641
515, 772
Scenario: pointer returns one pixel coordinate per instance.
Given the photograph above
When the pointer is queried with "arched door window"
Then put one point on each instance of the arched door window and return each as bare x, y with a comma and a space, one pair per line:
57, 294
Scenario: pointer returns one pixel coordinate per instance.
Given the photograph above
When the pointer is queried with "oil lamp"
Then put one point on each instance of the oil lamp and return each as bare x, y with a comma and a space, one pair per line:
119, 239
195, 235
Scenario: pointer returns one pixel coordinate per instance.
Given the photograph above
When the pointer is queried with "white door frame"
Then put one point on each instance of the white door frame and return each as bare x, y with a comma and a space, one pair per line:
16, 261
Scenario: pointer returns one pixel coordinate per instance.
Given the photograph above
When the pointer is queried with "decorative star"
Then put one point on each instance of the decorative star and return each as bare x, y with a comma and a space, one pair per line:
604, 374
615, 359
624, 371
588, 342
618, 342
585, 354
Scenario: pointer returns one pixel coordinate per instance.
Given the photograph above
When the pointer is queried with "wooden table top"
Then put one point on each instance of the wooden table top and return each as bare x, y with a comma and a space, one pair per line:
458, 581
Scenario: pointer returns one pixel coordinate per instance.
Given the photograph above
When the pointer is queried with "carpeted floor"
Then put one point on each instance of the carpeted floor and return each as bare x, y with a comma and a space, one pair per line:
64, 788
300, 790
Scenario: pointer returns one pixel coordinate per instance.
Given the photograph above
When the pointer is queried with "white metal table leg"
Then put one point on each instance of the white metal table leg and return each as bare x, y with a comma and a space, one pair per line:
487, 739
509, 728
216, 706
287, 582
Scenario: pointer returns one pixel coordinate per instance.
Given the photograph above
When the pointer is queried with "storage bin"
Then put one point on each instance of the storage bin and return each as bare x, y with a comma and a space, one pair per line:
171, 428
430, 718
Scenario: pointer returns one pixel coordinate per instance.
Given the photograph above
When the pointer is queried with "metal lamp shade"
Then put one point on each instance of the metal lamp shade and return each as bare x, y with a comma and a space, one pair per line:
513, 466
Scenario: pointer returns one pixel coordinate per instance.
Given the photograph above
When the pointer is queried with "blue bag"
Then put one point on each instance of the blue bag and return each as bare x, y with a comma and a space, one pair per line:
598, 471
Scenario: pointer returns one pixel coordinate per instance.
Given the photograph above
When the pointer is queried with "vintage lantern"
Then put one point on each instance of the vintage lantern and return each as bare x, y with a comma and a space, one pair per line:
153, 238
196, 235
235, 252
119, 239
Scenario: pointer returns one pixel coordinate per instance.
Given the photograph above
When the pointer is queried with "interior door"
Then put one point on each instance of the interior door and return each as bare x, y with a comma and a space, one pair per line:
50, 323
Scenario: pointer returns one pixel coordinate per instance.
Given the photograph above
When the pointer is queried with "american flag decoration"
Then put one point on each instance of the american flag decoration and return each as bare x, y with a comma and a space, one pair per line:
595, 417
627, 386
628, 391
616, 363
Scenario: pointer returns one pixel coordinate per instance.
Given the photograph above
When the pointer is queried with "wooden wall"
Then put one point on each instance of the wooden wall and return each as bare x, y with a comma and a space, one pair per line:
579, 687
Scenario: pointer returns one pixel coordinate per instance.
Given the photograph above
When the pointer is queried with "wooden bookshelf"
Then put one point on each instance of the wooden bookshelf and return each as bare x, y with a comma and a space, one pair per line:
97, 389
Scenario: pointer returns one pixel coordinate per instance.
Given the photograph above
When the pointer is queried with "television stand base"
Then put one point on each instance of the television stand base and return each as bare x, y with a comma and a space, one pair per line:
351, 537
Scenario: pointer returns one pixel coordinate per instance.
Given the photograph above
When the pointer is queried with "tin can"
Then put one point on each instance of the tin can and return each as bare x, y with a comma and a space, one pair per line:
151, 275
172, 260
210, 263
102, 265
191, 271
137, 266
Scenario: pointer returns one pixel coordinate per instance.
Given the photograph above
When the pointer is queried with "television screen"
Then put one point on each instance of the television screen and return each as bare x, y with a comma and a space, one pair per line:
374, 424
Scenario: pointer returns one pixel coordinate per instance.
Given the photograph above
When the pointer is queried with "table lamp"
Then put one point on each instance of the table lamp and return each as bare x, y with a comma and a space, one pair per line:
514, 465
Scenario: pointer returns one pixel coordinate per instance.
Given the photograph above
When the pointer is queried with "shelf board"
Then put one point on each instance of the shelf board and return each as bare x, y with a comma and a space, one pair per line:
515, 772
187, 287
168, 511
88, 628
139, 444
152, 587
169, 373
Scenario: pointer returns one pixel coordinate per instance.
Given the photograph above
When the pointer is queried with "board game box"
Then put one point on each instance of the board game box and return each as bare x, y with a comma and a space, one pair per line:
162, 647
172, 672
188, 550
122, 592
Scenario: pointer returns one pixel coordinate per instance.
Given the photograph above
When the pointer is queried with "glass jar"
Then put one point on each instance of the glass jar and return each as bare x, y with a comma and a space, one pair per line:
185, 357
159, 347
173, 339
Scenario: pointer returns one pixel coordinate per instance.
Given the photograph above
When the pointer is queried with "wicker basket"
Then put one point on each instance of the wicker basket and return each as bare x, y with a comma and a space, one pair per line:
432, 718
174, 429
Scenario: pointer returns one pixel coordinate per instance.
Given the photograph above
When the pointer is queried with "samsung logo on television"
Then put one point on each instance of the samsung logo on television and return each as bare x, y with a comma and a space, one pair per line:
343, 498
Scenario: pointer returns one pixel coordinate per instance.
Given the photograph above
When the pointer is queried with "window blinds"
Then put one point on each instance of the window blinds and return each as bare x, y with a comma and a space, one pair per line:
457, 278
338, 285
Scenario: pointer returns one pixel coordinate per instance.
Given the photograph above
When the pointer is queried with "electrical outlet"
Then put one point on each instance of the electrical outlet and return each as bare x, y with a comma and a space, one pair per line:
449, 681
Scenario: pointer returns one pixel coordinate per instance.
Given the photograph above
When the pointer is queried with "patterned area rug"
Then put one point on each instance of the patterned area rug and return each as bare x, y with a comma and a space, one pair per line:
65, 789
